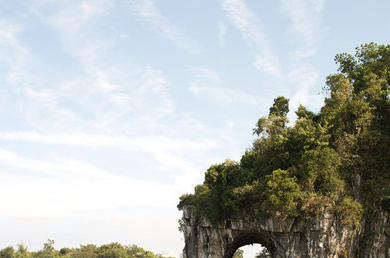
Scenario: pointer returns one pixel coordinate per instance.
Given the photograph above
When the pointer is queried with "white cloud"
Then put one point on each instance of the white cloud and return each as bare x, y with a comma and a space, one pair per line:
249, 26
109, 141
24, 96
263, 64
221, 33
74, 19
305, 16
166, 153
109, 97
70, 187
149, 12
35, 96
127, 92
108, 93
207, 84
306, 78
18, 59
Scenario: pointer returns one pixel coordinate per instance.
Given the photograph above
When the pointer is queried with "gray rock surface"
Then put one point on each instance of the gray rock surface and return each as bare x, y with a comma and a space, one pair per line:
284, 238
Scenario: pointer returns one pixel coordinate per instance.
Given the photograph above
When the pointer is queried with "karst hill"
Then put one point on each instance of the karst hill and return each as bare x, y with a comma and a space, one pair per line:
319, 188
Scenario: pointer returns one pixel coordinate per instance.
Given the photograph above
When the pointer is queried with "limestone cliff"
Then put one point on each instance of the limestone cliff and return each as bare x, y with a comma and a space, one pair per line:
324, 237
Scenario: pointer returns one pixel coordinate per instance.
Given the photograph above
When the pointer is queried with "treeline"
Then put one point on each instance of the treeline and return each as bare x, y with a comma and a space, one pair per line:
324, 162
113, 250
263, 254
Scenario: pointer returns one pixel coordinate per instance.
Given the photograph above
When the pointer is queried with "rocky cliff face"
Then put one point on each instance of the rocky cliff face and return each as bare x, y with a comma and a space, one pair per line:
285, 238
374, 241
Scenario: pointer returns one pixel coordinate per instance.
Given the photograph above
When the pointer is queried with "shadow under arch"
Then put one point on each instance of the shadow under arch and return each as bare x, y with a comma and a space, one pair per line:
248, 238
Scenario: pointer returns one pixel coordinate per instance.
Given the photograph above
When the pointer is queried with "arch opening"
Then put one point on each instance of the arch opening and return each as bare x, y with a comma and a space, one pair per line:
252, 251
250, 239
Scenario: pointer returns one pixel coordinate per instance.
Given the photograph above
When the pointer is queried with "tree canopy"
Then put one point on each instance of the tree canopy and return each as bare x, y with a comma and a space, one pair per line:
113, 250
324, 161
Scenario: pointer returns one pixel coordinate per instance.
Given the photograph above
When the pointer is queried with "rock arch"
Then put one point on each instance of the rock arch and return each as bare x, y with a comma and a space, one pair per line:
284, 238
248, 238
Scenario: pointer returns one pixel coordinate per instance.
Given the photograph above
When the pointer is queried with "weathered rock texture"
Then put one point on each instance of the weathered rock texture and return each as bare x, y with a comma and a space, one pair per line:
284, 238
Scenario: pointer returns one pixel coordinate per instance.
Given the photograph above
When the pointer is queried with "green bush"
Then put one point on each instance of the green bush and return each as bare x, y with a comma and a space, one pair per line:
350, 212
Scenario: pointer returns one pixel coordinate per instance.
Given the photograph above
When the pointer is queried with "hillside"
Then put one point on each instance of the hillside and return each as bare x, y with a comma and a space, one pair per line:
334, 161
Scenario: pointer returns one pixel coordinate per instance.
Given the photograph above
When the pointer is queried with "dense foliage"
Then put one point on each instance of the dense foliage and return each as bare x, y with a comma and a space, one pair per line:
324, 161
113, 250
263, 254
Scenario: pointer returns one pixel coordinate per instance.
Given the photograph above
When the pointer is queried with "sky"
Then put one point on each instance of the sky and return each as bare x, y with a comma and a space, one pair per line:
110, 110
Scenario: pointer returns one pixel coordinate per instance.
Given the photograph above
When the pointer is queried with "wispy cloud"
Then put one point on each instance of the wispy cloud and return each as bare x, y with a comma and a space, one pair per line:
108, 92
307, 78
249, 26
207, 84
103, 105
23, 94
149, 12
221, 33
18, 59
165, 153
263, 64
305, 16
160, 143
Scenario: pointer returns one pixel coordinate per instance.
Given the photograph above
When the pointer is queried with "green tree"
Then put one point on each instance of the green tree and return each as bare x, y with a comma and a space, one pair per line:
282, 194
276, 120
22, 251
112, 250
65, 251
263, 254
280, 107
8, 252
239, 253
48, 246
22, 248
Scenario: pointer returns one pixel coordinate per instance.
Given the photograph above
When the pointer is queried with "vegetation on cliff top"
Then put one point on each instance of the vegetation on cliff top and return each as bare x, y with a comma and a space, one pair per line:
325, 161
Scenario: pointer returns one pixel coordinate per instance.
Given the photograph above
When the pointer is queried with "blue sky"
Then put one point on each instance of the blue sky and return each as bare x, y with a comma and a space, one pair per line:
110, 110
